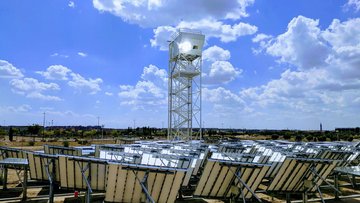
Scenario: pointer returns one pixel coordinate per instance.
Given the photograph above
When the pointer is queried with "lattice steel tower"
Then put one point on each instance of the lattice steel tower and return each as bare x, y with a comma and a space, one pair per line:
185, 59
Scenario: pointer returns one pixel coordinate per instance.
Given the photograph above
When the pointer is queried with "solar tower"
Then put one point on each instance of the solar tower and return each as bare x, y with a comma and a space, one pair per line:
185, 59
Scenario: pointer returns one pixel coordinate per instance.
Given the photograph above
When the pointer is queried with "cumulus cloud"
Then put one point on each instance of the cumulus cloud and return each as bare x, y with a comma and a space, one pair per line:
82, 54
7, 70
71, 4
109, 93
75, 80
16, 109
325, 67
80, 83
221, 72
216, 53
210, 16
59, 55
55, 72
210, 27
153, 13
301, 44
32, 88
354, 4
217, 69
223, 102
149, 91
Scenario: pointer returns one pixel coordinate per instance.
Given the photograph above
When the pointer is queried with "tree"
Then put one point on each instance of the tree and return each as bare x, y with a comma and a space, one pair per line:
287, 136
298, 138
274, 137
11, 134
34, 129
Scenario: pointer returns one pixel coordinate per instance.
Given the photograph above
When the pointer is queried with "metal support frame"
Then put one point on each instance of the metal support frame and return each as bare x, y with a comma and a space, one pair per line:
143, 184
5, 172
313, 170
316, 174
238, 176
17, 167
23, 182
86, 179
51, 176
288, 200
305, 197
336, 183
184, 94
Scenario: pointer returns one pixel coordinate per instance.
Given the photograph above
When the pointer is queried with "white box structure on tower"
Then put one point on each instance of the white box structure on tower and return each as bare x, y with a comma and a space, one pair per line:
185, 60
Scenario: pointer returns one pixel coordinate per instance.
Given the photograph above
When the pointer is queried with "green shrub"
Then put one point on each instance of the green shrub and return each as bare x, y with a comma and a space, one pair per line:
53, 140
287, 137
274, 137
322, 138
31, 143
65, 143
309, 138
83, 142
298, 138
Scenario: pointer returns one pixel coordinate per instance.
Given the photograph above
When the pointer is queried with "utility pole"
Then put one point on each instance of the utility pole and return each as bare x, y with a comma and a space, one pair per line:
102, 131
44, 126
98, 124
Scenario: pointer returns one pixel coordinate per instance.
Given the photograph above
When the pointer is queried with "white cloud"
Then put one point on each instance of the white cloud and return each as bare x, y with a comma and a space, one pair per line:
155, 75
77, 81
16, 109
209, 16
80, 83
59, 55
220, 95
326, 75
55, 72
109, 93
151, 90
301, 44
217, 69
71, 4
38, 95
29, 84
153, 13
221, 72
221, 102
354, 3
210, 27
216, 53
82, 54
32, 88
217, 29
260, 37
7, 70
161, 36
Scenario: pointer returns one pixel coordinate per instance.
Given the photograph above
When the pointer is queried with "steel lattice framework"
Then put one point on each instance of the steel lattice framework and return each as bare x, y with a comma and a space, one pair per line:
185, 60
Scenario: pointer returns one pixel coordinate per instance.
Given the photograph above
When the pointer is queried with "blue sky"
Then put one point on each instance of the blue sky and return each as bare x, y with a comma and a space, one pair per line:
266, 64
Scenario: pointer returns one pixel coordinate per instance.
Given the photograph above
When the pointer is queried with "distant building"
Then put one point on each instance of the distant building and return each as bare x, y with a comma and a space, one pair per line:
320, 127
353, 130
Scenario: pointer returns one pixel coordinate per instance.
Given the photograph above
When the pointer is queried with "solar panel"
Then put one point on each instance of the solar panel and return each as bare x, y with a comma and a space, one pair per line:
294, 172
38, 163
75, 169
126, 183
220, 177
52, 149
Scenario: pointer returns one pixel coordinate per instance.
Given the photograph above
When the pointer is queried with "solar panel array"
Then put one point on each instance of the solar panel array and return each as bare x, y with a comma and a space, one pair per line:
156, 171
